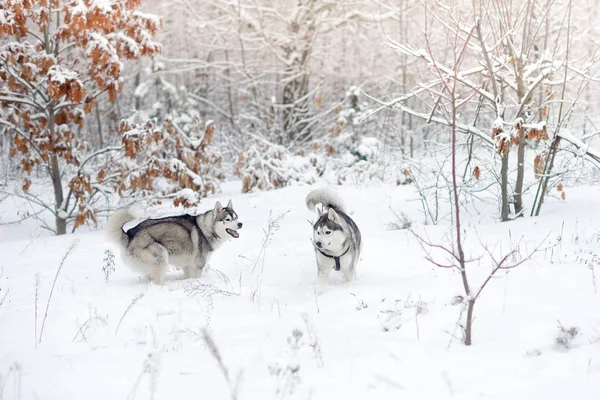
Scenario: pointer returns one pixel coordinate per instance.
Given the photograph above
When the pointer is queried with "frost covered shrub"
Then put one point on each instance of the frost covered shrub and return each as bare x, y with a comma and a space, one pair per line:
351, 112
361, 162
343, 154
49, 86
266, 166
108, 264
565, 336
358, 157
367, 149
173, 164
179, 159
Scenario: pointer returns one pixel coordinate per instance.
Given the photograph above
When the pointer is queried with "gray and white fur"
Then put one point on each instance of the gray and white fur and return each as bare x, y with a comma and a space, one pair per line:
185, 241
336, 238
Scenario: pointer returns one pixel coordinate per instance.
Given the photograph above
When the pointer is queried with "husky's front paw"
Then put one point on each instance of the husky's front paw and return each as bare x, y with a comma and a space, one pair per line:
192, 272
349, 276
320, 289
323, 278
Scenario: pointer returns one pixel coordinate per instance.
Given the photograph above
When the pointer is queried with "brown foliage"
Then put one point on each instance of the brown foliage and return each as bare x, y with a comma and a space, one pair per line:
41, 78
538, 164
169, 154
521, 131
26, 185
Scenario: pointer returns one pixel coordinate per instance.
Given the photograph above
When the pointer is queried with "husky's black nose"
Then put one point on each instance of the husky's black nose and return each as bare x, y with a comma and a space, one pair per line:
239, 225
318, 244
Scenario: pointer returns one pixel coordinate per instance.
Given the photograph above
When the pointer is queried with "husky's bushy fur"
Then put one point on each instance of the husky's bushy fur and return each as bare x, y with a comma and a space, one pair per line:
185, 241
336, 238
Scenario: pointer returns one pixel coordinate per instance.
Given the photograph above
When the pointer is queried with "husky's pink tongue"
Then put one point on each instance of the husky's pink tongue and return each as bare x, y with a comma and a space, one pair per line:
233, 233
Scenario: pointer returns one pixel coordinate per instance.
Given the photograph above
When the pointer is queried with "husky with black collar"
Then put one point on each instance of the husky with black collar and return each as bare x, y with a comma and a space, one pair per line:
185, 241
336, 238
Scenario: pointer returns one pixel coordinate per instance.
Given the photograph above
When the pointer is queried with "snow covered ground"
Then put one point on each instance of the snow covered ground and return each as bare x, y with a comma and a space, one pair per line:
387, 335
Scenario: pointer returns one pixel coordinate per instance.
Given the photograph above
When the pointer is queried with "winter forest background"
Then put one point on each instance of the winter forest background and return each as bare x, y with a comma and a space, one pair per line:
464, 137
112, 102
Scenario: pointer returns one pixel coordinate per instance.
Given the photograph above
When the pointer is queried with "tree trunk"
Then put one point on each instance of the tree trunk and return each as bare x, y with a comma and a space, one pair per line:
138, 79
295, 104
520, 176
504, 188
469, 324
543, 185
99, 126
61, 222
55, 176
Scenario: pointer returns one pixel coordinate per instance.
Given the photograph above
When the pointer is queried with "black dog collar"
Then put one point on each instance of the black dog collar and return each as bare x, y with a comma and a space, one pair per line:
336, 258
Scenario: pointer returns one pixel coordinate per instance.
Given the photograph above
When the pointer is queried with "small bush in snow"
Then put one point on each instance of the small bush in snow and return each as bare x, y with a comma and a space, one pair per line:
361, 305
402, 222
592, 260
286, 378
108, 264
390, 316
420, 306
565, 336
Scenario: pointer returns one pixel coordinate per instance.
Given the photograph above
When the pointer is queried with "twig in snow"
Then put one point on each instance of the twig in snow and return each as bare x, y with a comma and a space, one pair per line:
35, 307
62, 262
214, 351
272, 228
314, 340
81, 329
151, 368
133, 301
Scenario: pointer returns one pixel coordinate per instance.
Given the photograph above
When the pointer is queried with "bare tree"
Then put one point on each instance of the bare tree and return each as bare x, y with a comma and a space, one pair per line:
515, 80
282, 70
451, 99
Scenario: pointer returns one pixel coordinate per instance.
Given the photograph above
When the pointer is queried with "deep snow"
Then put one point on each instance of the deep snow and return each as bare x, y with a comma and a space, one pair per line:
387, 335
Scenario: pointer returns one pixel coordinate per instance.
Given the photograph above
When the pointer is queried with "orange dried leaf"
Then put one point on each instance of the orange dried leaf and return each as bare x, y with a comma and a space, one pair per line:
539, 165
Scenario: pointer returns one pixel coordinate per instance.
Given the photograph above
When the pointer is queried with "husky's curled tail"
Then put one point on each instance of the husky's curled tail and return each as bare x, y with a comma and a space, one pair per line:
114, 226
327, 198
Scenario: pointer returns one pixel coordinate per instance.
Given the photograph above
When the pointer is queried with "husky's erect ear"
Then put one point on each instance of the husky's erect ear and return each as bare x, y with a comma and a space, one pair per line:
332, 215
230, 205
218, 208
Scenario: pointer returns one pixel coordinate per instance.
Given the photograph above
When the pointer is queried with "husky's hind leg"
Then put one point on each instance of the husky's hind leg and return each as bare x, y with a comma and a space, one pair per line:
153, 260
157, 275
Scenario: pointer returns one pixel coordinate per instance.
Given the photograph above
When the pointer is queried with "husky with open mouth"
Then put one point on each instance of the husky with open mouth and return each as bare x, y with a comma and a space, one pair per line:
185, 241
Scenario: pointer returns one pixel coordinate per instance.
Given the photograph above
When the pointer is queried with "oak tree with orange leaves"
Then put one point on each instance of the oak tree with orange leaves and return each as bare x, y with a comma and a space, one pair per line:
56, 58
